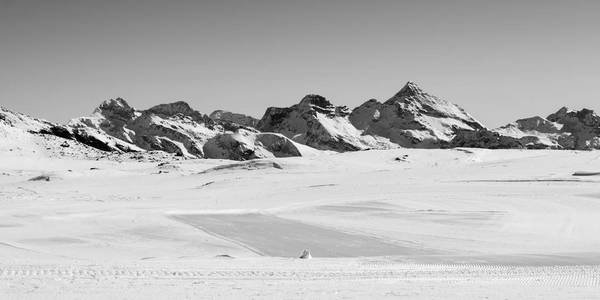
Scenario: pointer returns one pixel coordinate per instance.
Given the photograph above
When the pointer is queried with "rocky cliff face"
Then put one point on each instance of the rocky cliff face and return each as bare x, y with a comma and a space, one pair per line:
484, 138
583, 125
317, 123
413, 118
230, 117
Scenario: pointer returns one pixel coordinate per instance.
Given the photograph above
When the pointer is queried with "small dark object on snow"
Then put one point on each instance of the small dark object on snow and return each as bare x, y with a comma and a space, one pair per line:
40, 178
402, 158
581, 173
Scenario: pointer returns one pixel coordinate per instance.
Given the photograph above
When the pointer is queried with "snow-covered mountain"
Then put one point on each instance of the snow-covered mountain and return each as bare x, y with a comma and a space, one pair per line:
539, 133
413, 118
88, 136
565, 129
173, 127
319, 124
178, 128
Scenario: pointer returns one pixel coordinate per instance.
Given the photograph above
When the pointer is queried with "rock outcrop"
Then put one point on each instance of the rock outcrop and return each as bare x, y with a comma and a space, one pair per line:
230, 117
583, 125
317, 123
413, 118
484, 138
245, 145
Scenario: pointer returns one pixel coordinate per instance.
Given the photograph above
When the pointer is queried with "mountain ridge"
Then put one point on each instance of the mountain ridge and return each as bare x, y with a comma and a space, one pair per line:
410, 118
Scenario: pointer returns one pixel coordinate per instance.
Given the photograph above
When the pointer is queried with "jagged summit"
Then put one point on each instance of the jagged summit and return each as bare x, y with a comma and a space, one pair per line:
173, 108
410, 89
320, 104
316, 100
413, 98
114, 103
117, 107
235, 118
413, 118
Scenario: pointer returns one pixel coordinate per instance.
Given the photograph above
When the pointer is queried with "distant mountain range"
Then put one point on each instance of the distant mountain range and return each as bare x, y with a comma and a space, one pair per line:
411, 118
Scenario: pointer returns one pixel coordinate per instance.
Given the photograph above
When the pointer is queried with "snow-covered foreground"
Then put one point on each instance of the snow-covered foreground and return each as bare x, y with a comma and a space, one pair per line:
462, 223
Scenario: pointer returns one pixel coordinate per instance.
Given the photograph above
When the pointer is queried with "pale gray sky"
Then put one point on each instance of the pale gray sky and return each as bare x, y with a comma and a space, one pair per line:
500, 60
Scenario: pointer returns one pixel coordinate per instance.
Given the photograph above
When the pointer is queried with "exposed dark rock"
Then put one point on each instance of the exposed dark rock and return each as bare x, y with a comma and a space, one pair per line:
583, 125
484, 138
229, 118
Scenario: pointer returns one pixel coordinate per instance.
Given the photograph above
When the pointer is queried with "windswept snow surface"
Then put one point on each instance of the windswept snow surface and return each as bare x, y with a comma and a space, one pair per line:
462, 224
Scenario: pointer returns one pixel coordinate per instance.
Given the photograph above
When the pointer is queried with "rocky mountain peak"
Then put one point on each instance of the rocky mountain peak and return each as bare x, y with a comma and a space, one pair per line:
171, 109
116, 108
413, 118
409, 89
235, 118
584, 116
316, 100
322, 105
315, 122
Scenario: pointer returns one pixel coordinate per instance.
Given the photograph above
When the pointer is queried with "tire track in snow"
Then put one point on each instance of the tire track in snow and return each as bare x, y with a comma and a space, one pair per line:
525, 275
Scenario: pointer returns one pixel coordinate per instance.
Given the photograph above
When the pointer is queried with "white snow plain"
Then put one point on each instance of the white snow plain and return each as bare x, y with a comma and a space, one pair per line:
447, 224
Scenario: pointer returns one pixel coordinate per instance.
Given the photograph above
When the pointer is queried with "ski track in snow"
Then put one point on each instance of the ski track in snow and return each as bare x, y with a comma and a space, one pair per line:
524, 275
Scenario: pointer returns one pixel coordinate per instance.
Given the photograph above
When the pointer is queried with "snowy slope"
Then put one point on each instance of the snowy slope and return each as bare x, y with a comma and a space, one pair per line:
21, 131
458, 224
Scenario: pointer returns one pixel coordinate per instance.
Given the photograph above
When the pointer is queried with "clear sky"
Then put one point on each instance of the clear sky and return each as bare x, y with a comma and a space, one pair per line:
500, 60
